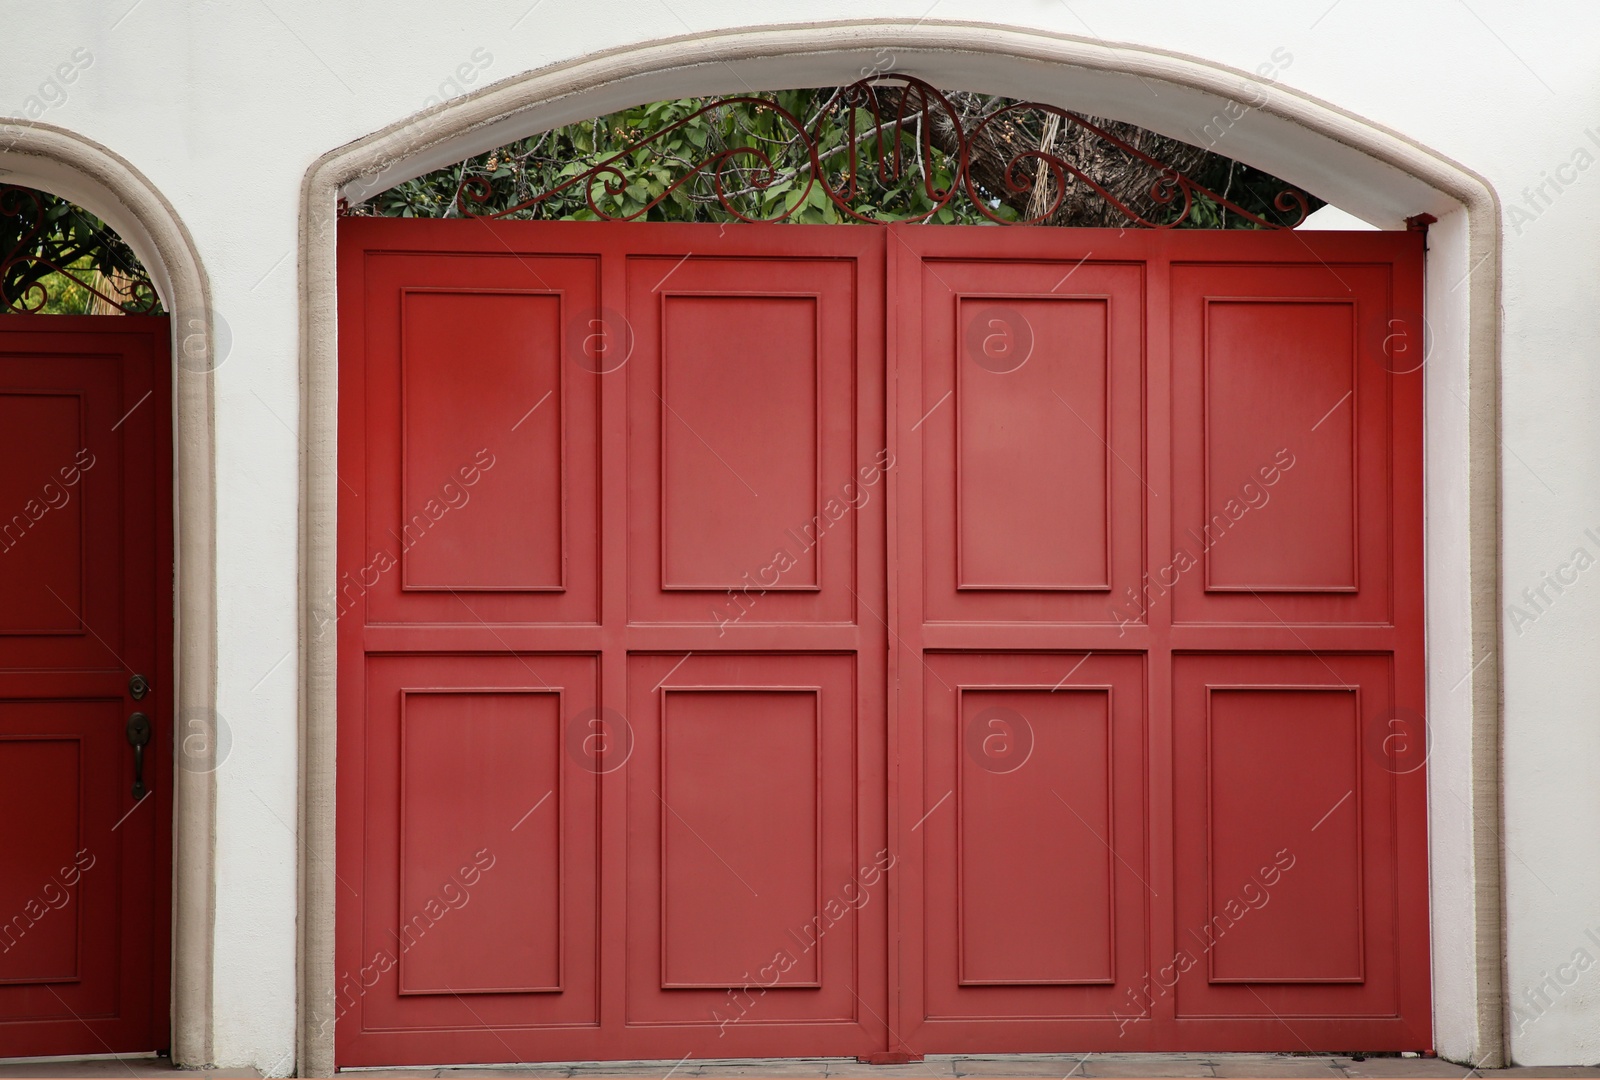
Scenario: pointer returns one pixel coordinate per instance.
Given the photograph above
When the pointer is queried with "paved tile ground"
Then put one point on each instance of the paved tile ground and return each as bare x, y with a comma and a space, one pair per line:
1066, 1067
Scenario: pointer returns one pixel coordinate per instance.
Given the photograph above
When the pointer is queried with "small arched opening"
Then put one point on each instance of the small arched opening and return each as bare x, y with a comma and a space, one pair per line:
106, 346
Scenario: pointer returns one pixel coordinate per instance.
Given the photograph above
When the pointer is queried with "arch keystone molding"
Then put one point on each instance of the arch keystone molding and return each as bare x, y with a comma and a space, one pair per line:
1369, 170
52, 159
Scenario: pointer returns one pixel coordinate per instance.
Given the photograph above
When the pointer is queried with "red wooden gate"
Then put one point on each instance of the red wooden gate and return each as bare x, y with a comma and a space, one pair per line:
1160, 556
85, 604
840, 640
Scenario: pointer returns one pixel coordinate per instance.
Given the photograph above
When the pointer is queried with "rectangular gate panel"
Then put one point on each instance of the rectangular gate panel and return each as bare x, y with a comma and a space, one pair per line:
1034, 859
739, 788
743, 368
503, 747
514, 538
1270, 752
1261, 360
1038, 912
480, 889
1030, 420
747, 892
1289, 873
744, 491
482, 479
1046, 525
1286, 425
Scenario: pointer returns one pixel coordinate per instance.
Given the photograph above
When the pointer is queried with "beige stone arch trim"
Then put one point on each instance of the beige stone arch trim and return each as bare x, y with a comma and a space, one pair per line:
1371, 170
50, 158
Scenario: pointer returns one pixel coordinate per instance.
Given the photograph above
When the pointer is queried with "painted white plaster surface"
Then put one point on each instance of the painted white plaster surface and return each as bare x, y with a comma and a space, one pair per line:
1332, 218
224, 106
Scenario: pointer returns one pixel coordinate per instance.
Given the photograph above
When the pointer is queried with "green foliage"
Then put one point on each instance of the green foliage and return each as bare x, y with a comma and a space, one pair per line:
42, 235
723, 160
67, 296
699, 145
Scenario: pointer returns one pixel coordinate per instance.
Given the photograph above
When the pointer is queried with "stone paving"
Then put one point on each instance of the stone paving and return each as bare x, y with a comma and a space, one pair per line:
1063, 1066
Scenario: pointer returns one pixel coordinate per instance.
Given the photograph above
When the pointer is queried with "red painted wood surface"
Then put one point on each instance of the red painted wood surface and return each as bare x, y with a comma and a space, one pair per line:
644, 801
788, 641
85, 602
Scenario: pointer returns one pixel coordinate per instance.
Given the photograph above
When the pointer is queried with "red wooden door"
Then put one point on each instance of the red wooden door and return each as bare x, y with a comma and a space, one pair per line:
1159, 598
85, 604
700, 697
612, 669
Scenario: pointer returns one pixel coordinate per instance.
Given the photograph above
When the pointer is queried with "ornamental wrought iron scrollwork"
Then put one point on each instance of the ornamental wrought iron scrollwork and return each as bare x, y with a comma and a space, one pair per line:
30, 264
922, 150
1168, 187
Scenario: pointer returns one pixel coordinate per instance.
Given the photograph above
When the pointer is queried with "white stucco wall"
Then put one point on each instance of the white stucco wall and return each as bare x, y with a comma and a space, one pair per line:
225, 106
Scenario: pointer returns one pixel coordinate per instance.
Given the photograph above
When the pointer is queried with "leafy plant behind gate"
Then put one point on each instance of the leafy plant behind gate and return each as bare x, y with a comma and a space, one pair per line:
56, 258
751, 157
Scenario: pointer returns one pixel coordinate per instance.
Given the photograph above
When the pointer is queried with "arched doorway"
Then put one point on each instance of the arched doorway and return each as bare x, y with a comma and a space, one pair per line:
1390, 170
174, 460
85, 569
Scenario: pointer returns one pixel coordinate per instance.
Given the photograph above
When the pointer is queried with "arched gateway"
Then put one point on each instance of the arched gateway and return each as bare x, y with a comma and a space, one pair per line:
863, 640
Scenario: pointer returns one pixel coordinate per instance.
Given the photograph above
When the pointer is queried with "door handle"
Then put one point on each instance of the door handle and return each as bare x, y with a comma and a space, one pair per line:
138, 738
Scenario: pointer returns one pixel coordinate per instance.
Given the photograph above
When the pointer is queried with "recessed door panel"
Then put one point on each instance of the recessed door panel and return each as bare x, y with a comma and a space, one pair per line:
1286, 858
740, 848
479, 881
42, 539
505, 749
480, 409
1277, 754
1286, 423
747, 484
1032, 493
1269, 366
738, 415
742, 804
1038, 912
1030, 422
36, 948
1033, 836
508, 386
